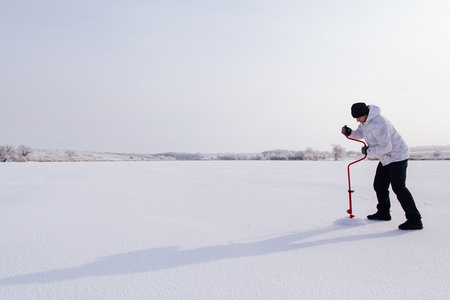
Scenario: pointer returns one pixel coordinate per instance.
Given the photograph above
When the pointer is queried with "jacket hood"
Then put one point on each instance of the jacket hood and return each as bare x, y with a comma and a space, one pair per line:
374, 111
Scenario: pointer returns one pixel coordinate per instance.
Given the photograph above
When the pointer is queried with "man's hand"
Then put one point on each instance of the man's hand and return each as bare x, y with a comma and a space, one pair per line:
346, 130
364, 150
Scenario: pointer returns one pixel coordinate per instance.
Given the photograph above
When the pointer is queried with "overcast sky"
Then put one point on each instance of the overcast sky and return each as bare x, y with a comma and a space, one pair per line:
211, 76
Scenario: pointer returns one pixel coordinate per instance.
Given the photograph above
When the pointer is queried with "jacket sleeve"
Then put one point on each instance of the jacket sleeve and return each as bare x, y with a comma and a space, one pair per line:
357, 133
383, 144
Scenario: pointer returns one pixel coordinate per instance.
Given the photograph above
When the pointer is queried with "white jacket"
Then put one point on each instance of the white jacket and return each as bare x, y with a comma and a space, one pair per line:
381, 137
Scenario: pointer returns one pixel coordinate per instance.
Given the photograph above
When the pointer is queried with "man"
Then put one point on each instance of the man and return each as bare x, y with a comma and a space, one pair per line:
385, 142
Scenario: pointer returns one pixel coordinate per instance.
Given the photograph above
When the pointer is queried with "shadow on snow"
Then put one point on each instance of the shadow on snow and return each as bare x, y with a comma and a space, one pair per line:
151, 260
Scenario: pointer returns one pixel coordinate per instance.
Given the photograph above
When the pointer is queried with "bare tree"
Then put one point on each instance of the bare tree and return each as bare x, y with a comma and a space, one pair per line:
70, 154
338, 152
311, 154
7, 153
24, 151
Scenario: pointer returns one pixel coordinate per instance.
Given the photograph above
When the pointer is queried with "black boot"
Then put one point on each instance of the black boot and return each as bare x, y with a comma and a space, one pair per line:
411, 225
380, 216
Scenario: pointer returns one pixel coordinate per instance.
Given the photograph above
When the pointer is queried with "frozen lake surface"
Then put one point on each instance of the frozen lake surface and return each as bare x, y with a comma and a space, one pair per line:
217, 230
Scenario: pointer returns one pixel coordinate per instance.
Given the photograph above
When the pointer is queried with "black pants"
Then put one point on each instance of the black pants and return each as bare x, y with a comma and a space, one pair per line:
394, 174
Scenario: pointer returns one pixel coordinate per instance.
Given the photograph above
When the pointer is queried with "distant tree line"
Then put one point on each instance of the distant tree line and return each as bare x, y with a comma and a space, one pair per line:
430, 148
337, 153
11, 153
280, 154
24, 153
179, 156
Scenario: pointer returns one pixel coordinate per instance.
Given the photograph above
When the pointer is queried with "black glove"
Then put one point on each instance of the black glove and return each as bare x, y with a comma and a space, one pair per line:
364, 150
346, 130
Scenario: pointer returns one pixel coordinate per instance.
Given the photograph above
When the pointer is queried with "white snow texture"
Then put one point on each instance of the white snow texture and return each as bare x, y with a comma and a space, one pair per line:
217, 230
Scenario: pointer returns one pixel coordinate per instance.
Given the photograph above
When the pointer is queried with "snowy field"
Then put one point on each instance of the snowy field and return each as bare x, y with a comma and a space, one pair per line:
217, 230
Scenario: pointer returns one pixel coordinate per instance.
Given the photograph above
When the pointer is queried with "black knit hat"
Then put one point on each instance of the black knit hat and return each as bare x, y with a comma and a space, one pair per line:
359, 109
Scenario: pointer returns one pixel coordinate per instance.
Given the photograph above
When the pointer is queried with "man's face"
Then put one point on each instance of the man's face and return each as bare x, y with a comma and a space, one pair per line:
362, 119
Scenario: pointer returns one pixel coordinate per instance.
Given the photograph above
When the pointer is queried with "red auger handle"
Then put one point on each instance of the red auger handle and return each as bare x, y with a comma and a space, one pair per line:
356, 140
350, 191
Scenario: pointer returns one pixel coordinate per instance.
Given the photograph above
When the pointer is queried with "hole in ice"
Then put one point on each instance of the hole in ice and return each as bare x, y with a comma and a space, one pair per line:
351, 222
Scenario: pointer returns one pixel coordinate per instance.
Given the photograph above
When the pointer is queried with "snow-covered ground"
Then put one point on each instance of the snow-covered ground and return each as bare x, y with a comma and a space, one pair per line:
217, 230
